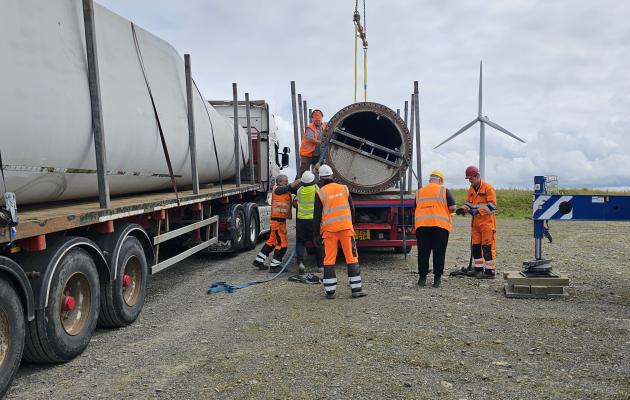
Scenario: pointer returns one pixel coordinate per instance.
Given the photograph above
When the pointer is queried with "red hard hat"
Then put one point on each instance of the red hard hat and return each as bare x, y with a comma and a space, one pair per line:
471, 171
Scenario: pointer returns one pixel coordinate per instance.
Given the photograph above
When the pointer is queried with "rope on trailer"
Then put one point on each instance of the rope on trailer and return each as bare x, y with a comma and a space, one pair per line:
214, 143
155, 112
360, 31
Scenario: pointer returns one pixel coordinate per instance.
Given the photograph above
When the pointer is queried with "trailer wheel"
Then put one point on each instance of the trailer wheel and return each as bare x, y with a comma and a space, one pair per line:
12, 328
63, 330
237, 227
123, 298
253, 226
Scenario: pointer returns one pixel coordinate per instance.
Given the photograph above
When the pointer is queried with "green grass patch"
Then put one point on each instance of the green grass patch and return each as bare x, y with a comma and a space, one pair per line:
515, 203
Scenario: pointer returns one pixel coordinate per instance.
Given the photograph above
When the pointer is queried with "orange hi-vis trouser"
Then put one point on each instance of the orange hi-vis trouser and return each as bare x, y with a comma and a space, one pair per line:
277, 241
483, 235
348, 246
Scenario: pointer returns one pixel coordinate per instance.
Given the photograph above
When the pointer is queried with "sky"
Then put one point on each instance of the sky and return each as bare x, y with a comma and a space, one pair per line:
555, 73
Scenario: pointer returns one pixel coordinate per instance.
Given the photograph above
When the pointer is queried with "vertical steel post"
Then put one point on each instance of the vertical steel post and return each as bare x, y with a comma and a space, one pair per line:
249, 138
409, 174
305, 118
417, 118
296, 135
411, 131
310, 112
98, 129
191, 126
300, 114
237, 144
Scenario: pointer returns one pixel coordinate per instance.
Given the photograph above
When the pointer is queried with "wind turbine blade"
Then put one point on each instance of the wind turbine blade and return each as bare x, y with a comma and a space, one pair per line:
501, 129
468, 125
480, 87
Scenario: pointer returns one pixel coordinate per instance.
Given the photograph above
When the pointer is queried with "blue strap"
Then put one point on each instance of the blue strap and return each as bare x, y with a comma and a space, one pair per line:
221, 286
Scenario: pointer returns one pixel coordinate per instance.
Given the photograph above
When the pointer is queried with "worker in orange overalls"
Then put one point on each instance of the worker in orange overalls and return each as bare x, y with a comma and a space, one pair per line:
281, 207
332, 219
481, 203
434, 205
310, 148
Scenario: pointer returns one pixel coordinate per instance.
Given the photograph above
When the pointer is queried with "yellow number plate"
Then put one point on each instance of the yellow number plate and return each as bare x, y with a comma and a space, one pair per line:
362, 234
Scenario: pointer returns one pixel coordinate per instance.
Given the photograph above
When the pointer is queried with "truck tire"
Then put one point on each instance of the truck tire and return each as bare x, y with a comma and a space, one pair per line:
236, 231
252, 226
12, 329
122, 299
63, 330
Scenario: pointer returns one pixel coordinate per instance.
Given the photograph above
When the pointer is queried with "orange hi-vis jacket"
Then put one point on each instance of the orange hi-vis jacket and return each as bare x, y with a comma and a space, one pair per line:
336, 214
432, 208
307, 147
484, 200
280, 205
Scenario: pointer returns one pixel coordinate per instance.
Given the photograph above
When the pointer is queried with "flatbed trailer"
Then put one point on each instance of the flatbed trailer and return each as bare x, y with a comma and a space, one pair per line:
379, 220
68, 267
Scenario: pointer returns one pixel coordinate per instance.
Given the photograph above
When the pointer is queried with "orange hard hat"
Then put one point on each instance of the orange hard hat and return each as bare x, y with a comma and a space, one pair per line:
471, 171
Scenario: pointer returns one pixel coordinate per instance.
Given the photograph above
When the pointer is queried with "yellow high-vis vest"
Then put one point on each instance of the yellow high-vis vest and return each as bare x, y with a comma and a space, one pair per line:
306, 201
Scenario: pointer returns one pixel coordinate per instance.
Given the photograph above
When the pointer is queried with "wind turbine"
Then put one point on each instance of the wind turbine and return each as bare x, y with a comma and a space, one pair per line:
483, 120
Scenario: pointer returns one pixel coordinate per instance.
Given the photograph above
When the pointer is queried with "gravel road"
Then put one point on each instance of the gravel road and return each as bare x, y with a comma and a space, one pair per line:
284, 340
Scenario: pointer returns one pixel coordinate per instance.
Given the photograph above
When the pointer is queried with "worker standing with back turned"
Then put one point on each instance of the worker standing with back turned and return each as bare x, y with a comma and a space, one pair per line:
481, 203
434, 205
305, 199
310, 148
332, 221
281, 207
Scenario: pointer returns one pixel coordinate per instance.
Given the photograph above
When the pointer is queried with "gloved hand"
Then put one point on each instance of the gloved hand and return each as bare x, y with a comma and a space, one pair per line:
460, 211
473, 211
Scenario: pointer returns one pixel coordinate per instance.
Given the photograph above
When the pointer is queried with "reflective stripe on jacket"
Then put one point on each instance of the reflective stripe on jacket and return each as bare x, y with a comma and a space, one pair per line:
484, 200
306, 201
336, 214
307, 147
432, 207
280, 204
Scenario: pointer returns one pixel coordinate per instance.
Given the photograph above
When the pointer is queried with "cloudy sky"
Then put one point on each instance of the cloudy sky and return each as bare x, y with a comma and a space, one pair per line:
556, 73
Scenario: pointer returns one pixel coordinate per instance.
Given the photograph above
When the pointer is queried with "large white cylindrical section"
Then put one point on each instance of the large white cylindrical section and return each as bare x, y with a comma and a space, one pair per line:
45, 117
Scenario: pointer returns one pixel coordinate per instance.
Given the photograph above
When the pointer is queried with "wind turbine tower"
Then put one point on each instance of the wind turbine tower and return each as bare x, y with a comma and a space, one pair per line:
483, 120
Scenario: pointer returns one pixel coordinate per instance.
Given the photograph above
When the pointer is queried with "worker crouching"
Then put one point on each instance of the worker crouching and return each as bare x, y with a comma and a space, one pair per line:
333, 216
481, 203
281, 206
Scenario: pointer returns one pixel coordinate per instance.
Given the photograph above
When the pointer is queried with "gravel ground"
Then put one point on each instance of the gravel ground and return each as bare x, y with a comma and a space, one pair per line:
284, 340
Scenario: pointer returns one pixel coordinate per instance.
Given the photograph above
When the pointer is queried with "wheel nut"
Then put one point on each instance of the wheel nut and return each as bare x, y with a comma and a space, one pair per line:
126, 280
69, 303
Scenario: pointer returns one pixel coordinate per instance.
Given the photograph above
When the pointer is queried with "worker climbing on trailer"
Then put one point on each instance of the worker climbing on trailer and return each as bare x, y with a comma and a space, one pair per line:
280, 211
481, 203
305, 200
310, 148
332, 219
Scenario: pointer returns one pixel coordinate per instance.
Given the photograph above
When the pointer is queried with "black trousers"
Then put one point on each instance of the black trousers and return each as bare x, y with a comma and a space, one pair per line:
431, 239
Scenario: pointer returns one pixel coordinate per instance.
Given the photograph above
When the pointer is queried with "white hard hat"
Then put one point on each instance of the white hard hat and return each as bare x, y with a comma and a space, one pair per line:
307, 177
325, 171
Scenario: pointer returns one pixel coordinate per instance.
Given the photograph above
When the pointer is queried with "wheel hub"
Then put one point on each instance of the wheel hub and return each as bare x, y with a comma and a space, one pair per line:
126, 281
69, 303
132, 281
75, 304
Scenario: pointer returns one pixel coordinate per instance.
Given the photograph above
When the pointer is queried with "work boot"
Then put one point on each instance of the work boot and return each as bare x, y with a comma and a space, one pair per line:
331, 296
356, 295
437, 281
259, 265
301, 268
487, 275
422, 281
277, 269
